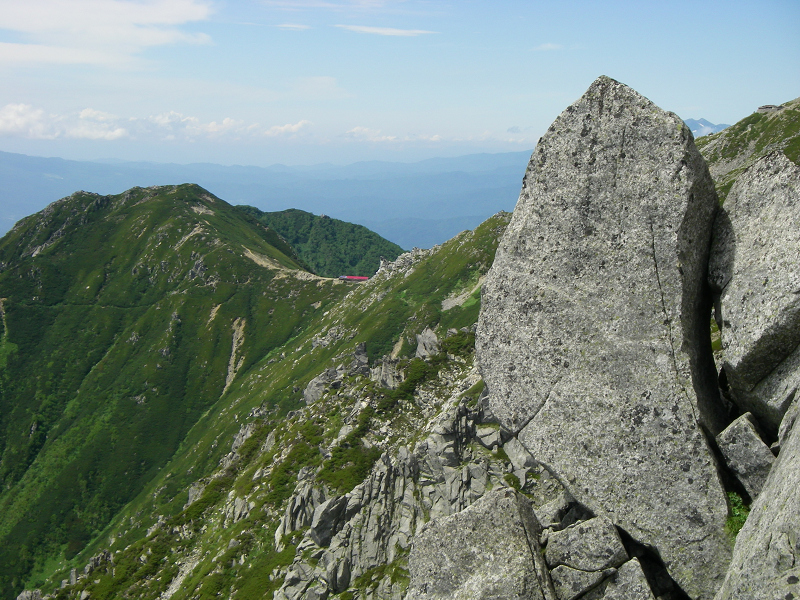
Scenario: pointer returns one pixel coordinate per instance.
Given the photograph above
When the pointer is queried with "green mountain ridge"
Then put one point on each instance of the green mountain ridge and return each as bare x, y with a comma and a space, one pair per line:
329, 246
735, 148
165, 295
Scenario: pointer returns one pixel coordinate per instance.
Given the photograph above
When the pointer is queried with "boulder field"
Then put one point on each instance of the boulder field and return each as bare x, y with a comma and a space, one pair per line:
594, 343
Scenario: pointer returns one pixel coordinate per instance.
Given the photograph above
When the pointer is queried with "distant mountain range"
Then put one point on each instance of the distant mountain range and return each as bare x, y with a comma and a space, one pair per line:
701, 127
412, 204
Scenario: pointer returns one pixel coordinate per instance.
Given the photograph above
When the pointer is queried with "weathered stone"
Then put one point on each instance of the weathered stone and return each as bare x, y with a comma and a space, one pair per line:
591, 545
427, 343
488, 436
316, 387
360, 363
593, 335
30, 595
488, 551
787, 424
766, 558
629, 583
746, 455
326, 518
551, 513
386, 374
755, 263
518, 455
571, 583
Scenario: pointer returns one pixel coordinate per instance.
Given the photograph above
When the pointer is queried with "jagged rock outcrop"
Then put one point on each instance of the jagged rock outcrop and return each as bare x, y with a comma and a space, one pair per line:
427, 343
593, 334
755, 266
373, 525
746, 454
489, 550
766, 558
386, 373
332, 378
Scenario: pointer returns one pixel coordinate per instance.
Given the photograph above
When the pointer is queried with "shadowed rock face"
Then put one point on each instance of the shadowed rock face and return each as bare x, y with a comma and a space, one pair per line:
593, 334
755, 265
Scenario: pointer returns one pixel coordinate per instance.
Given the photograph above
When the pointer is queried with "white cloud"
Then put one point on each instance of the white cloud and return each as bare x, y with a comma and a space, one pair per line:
23, 120
293, 27
386, 30
95, 31
548, 46
26, 121
286, 129
364, 134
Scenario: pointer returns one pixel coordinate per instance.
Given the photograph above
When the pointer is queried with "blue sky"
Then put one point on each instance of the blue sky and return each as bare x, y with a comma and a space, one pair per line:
310, 81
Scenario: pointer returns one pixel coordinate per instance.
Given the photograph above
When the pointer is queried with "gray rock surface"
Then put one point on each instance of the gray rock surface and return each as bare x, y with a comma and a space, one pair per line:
487, 551
316, 387
593, 335
591, 545
766, 558
373, 525
746, 454
326, 518
427, 343
629, 583
787, 424
386, 374
755, 263
518, 455
572, 583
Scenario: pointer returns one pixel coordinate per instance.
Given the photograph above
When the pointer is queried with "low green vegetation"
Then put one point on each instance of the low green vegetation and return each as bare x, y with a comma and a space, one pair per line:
738, 515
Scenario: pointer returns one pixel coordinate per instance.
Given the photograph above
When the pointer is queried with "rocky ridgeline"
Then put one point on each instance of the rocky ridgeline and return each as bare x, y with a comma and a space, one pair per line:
359, 541
593, 341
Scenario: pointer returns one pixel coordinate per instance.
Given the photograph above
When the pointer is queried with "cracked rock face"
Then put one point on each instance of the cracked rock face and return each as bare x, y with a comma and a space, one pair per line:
487, 551
755, 263
766, 559
593, 335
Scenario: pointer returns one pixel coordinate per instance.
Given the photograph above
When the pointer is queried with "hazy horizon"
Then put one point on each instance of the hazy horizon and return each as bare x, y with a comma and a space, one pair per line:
305, 82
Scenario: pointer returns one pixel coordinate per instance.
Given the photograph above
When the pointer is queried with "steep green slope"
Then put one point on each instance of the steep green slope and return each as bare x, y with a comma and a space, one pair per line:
330, 246
734, 149
180, 538
125, 318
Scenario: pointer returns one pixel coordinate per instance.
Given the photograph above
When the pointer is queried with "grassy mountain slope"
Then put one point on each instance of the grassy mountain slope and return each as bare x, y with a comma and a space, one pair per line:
330, 247
734, 149
162, 544
125, 319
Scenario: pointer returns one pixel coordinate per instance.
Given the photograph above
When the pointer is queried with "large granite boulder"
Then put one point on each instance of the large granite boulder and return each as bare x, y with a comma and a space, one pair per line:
488, 551
766, 559
755, 265
593, 336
